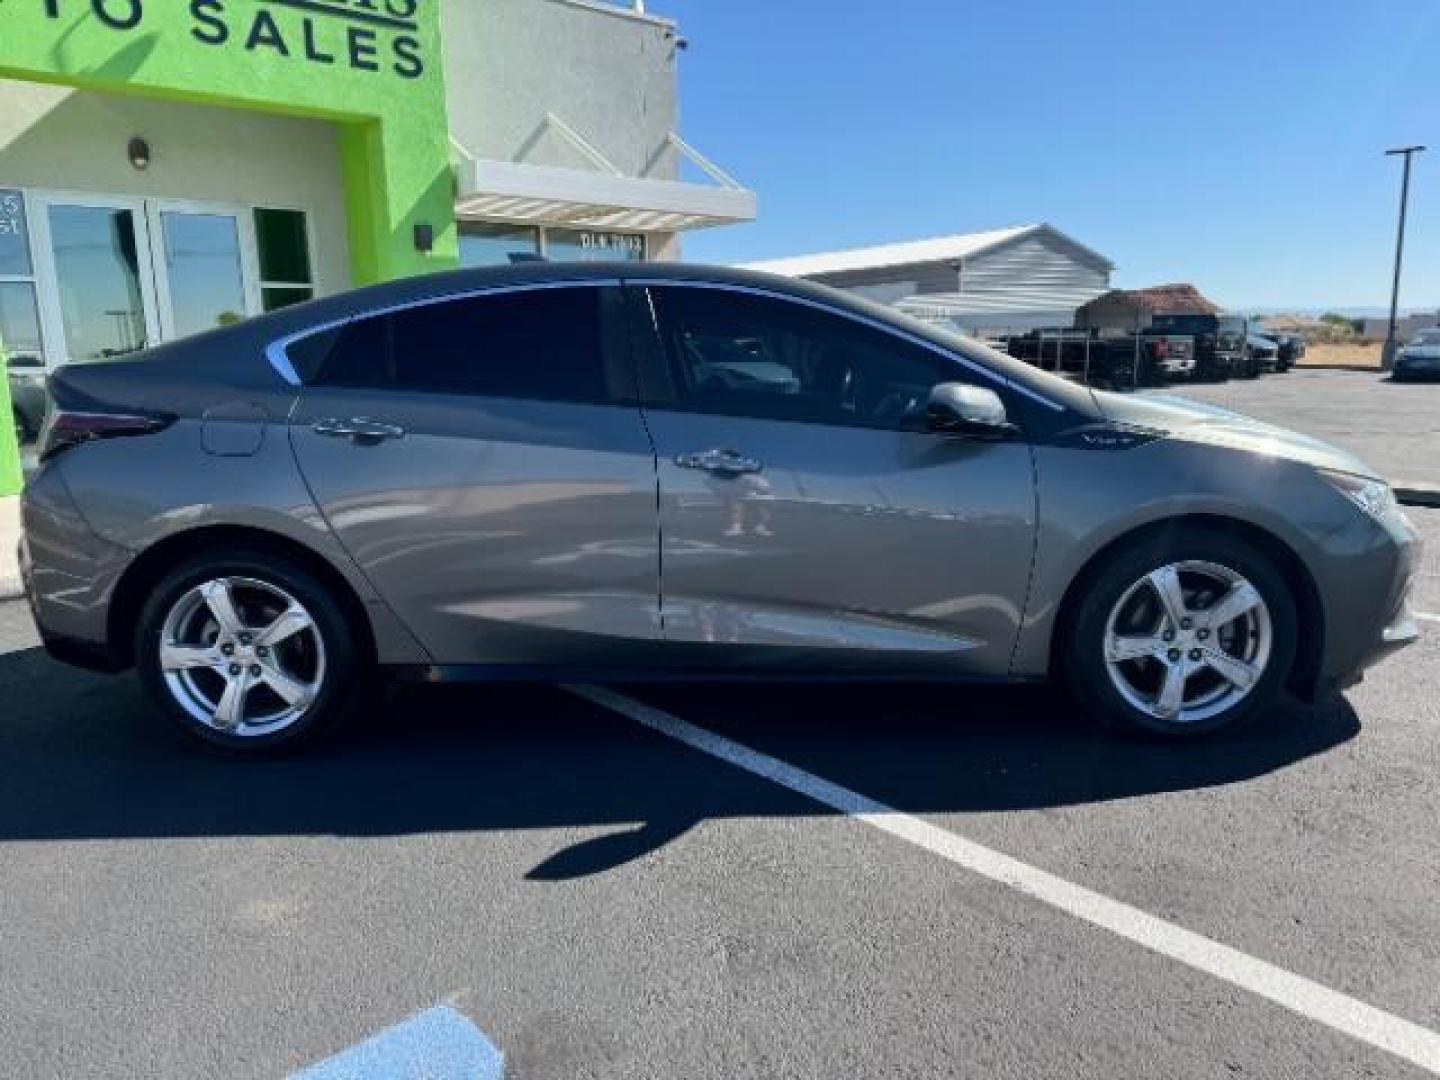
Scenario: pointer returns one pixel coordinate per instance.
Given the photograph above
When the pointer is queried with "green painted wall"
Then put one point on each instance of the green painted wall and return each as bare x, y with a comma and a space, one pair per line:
371, 66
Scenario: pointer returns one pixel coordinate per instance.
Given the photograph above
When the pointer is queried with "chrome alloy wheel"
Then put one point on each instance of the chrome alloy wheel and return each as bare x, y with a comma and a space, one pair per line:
242, 656
1188, 641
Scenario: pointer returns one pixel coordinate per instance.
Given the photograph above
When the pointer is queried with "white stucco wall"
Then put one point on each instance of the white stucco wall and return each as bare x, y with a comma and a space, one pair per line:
607, 73
55, 138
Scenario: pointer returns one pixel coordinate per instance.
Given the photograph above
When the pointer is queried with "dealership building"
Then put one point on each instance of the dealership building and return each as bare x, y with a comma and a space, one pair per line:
167, 166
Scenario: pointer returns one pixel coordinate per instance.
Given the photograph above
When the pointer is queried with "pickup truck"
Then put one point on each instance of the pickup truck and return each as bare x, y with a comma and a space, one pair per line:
1219, 342
1107, 359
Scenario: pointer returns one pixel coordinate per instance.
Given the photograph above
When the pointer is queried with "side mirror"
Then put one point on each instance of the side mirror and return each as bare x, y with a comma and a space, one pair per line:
973, 411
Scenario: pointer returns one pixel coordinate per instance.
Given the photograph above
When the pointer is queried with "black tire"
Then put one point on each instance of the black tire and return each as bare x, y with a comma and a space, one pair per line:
1083, 633
347, 668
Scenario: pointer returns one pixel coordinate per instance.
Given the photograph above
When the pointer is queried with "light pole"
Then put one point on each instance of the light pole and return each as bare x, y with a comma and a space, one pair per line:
1387, 357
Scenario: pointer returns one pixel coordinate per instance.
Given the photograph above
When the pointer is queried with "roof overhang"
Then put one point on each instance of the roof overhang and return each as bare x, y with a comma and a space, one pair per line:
580, 198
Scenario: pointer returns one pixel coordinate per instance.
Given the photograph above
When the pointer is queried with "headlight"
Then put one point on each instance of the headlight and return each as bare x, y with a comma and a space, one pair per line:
1372, 496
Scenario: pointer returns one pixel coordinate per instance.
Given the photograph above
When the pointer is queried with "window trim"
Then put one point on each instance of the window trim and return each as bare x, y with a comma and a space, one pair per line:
280, 361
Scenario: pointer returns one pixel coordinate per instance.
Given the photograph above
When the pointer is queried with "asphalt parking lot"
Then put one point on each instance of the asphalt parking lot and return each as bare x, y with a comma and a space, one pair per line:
1393, 426
602, 899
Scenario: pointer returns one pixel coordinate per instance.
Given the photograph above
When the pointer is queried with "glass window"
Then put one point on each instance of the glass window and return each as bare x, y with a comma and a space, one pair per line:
539, 344
14, 240
283, 240
202, 263
486, 244
757, 356
98, 273
22, 360
275, 297
588, 245
20, 325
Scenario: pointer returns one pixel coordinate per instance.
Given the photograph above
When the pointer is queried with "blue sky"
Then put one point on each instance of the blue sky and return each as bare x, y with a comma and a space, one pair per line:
1234, 145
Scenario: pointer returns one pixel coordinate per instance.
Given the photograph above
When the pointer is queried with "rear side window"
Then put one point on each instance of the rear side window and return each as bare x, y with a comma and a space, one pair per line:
544, 344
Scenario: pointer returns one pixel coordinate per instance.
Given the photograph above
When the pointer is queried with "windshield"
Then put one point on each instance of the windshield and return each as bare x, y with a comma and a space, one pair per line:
1427, 337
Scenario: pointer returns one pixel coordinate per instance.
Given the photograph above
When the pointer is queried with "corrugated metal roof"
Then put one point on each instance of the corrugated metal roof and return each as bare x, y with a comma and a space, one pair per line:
936, 249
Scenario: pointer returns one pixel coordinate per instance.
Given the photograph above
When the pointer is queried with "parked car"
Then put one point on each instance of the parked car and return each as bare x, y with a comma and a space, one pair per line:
1419, 359
25, 375
553, 471
1261, 355
1291, 349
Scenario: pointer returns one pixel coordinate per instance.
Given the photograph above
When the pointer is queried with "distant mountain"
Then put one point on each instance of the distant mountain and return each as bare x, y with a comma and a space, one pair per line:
1348, 312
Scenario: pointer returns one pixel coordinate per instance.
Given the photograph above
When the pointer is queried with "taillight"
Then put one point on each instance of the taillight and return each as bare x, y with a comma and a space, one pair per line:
1160, 348
66, 429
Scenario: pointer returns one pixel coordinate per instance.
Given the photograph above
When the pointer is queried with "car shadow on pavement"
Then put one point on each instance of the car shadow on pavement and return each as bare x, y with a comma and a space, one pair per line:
84, 757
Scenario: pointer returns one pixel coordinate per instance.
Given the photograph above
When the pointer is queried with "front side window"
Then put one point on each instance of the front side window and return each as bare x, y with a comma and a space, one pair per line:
744, 355
543, 344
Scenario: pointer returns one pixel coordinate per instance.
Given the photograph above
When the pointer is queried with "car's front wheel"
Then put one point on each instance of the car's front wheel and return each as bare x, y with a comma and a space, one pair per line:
1183, 636
247, 651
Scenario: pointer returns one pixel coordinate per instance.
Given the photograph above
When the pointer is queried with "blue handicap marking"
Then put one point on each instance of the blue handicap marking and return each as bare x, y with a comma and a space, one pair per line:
438, 1044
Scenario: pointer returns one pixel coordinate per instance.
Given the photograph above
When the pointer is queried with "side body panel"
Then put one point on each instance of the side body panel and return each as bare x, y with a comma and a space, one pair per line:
501, 532
184, 489
1089, 498
856, 547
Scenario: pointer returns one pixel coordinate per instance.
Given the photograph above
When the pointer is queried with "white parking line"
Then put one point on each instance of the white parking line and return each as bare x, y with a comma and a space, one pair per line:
1425, 616
1417, 1045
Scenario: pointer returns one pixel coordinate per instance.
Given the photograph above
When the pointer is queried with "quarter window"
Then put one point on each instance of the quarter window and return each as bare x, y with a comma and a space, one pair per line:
745, 355
283, 240
537, 343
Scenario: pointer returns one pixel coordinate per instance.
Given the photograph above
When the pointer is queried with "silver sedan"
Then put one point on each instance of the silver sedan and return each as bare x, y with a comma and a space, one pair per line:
625, 472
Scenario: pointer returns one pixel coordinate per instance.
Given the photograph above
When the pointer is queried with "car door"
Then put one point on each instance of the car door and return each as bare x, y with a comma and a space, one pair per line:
808, 518
484, 461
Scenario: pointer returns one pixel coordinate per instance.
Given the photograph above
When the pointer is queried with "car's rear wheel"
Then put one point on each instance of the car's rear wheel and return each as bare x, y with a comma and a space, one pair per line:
246, 651
1183, 636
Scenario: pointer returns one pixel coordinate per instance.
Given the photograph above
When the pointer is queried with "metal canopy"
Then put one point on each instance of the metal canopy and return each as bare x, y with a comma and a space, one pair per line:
602, 198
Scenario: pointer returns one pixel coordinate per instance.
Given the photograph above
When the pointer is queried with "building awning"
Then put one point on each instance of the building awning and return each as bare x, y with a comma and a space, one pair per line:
599, 198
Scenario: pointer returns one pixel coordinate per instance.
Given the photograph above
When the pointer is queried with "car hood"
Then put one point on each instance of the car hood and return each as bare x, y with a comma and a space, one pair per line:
1195, 421
1422, 352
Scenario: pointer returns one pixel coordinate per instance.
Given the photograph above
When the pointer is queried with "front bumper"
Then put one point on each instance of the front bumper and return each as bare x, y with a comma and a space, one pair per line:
1378, 622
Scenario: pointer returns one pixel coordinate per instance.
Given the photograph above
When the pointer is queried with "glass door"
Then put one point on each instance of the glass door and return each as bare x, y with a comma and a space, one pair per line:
96, 251
205, 266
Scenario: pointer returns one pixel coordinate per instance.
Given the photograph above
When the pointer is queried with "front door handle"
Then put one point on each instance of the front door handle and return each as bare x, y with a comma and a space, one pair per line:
359, 430
720, 462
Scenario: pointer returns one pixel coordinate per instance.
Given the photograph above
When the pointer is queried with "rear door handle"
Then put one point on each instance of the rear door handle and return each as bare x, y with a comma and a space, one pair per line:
358, 429
720, 462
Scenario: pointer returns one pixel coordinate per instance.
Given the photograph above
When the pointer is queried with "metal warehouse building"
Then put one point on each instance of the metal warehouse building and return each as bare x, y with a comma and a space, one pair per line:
1004, 279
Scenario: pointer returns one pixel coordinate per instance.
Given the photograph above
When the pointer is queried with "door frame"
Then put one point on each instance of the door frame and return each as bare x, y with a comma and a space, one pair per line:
155, 295
244, 217
47, 280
